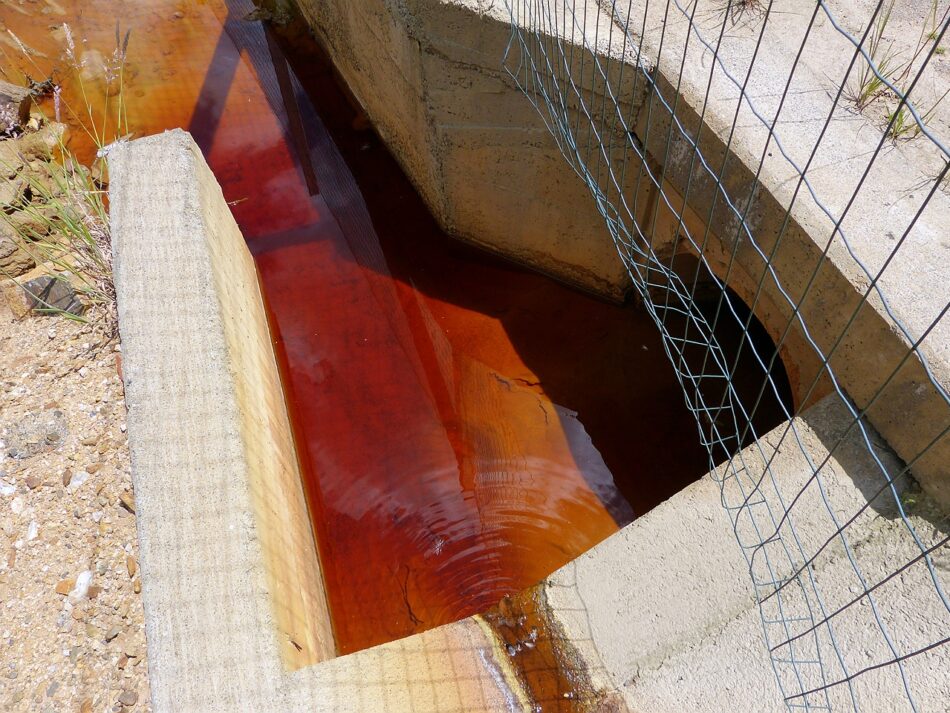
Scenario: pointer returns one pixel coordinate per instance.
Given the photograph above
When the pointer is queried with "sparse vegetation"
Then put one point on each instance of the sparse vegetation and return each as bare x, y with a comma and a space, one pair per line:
932, 28
902, 123
871, 86
741, 10
61, 221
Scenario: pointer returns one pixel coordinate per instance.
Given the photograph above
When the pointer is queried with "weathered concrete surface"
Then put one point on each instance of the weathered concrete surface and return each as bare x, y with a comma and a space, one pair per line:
428, 74
911, 412
665, 610
209, 425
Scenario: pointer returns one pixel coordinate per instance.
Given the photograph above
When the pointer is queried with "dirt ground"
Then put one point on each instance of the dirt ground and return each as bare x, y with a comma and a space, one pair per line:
72, 635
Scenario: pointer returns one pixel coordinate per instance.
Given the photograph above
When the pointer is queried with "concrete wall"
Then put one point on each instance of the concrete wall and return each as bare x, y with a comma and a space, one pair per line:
428, 73
207, 419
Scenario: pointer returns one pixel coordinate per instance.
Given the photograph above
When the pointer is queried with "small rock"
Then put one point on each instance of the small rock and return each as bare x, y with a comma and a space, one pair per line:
131, 565
129, 698
12, 192
33, 482
67, 476
36, 433
33, 145
65, 586
77, 480
137, 586
112, 633
45, 294
52, 688
82, 585
127, 501
86, 706
123, 661
31, 223
15, 260
14, 107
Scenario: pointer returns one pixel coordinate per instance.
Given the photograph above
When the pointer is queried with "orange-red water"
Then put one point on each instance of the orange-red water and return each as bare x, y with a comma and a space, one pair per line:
465, 426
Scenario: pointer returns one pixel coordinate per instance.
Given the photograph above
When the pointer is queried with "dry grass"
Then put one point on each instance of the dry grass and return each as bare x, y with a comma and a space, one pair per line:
68, 226
887, 78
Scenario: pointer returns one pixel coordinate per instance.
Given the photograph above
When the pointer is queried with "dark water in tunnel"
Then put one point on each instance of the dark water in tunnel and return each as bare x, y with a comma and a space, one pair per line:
465, 426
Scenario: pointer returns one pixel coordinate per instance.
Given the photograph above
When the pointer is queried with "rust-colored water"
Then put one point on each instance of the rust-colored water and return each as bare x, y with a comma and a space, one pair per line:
465, 426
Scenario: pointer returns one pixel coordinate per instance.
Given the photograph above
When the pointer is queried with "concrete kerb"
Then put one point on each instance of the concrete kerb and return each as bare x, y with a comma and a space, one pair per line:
660, 615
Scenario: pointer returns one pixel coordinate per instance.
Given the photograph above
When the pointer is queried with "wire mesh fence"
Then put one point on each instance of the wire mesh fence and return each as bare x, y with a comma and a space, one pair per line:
786, 162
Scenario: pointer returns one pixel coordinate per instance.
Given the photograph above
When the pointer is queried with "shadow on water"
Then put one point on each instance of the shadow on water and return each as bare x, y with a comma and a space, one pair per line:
598, 368
603, 361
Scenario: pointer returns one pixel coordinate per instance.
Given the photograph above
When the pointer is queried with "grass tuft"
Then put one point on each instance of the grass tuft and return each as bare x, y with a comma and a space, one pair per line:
870, 84
63, 222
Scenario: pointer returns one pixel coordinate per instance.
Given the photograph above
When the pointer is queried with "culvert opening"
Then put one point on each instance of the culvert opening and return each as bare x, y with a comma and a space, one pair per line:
757, 395
465, 426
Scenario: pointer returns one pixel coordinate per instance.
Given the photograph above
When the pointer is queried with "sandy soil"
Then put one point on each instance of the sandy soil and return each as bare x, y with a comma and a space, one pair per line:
71, 624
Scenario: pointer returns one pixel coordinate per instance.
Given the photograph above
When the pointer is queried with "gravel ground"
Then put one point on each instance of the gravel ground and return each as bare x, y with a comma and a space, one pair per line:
72, 636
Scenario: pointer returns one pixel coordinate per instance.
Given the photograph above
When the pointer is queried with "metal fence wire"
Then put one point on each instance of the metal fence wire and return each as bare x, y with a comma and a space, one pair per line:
653, 103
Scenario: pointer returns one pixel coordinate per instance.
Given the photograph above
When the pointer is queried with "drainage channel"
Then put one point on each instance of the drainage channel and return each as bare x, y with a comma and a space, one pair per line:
465, 426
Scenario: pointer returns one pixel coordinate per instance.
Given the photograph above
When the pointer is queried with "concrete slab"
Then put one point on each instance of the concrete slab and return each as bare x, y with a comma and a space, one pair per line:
667, 609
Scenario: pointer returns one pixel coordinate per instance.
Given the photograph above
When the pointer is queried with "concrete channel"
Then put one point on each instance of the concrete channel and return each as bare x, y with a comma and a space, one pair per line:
660, 616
